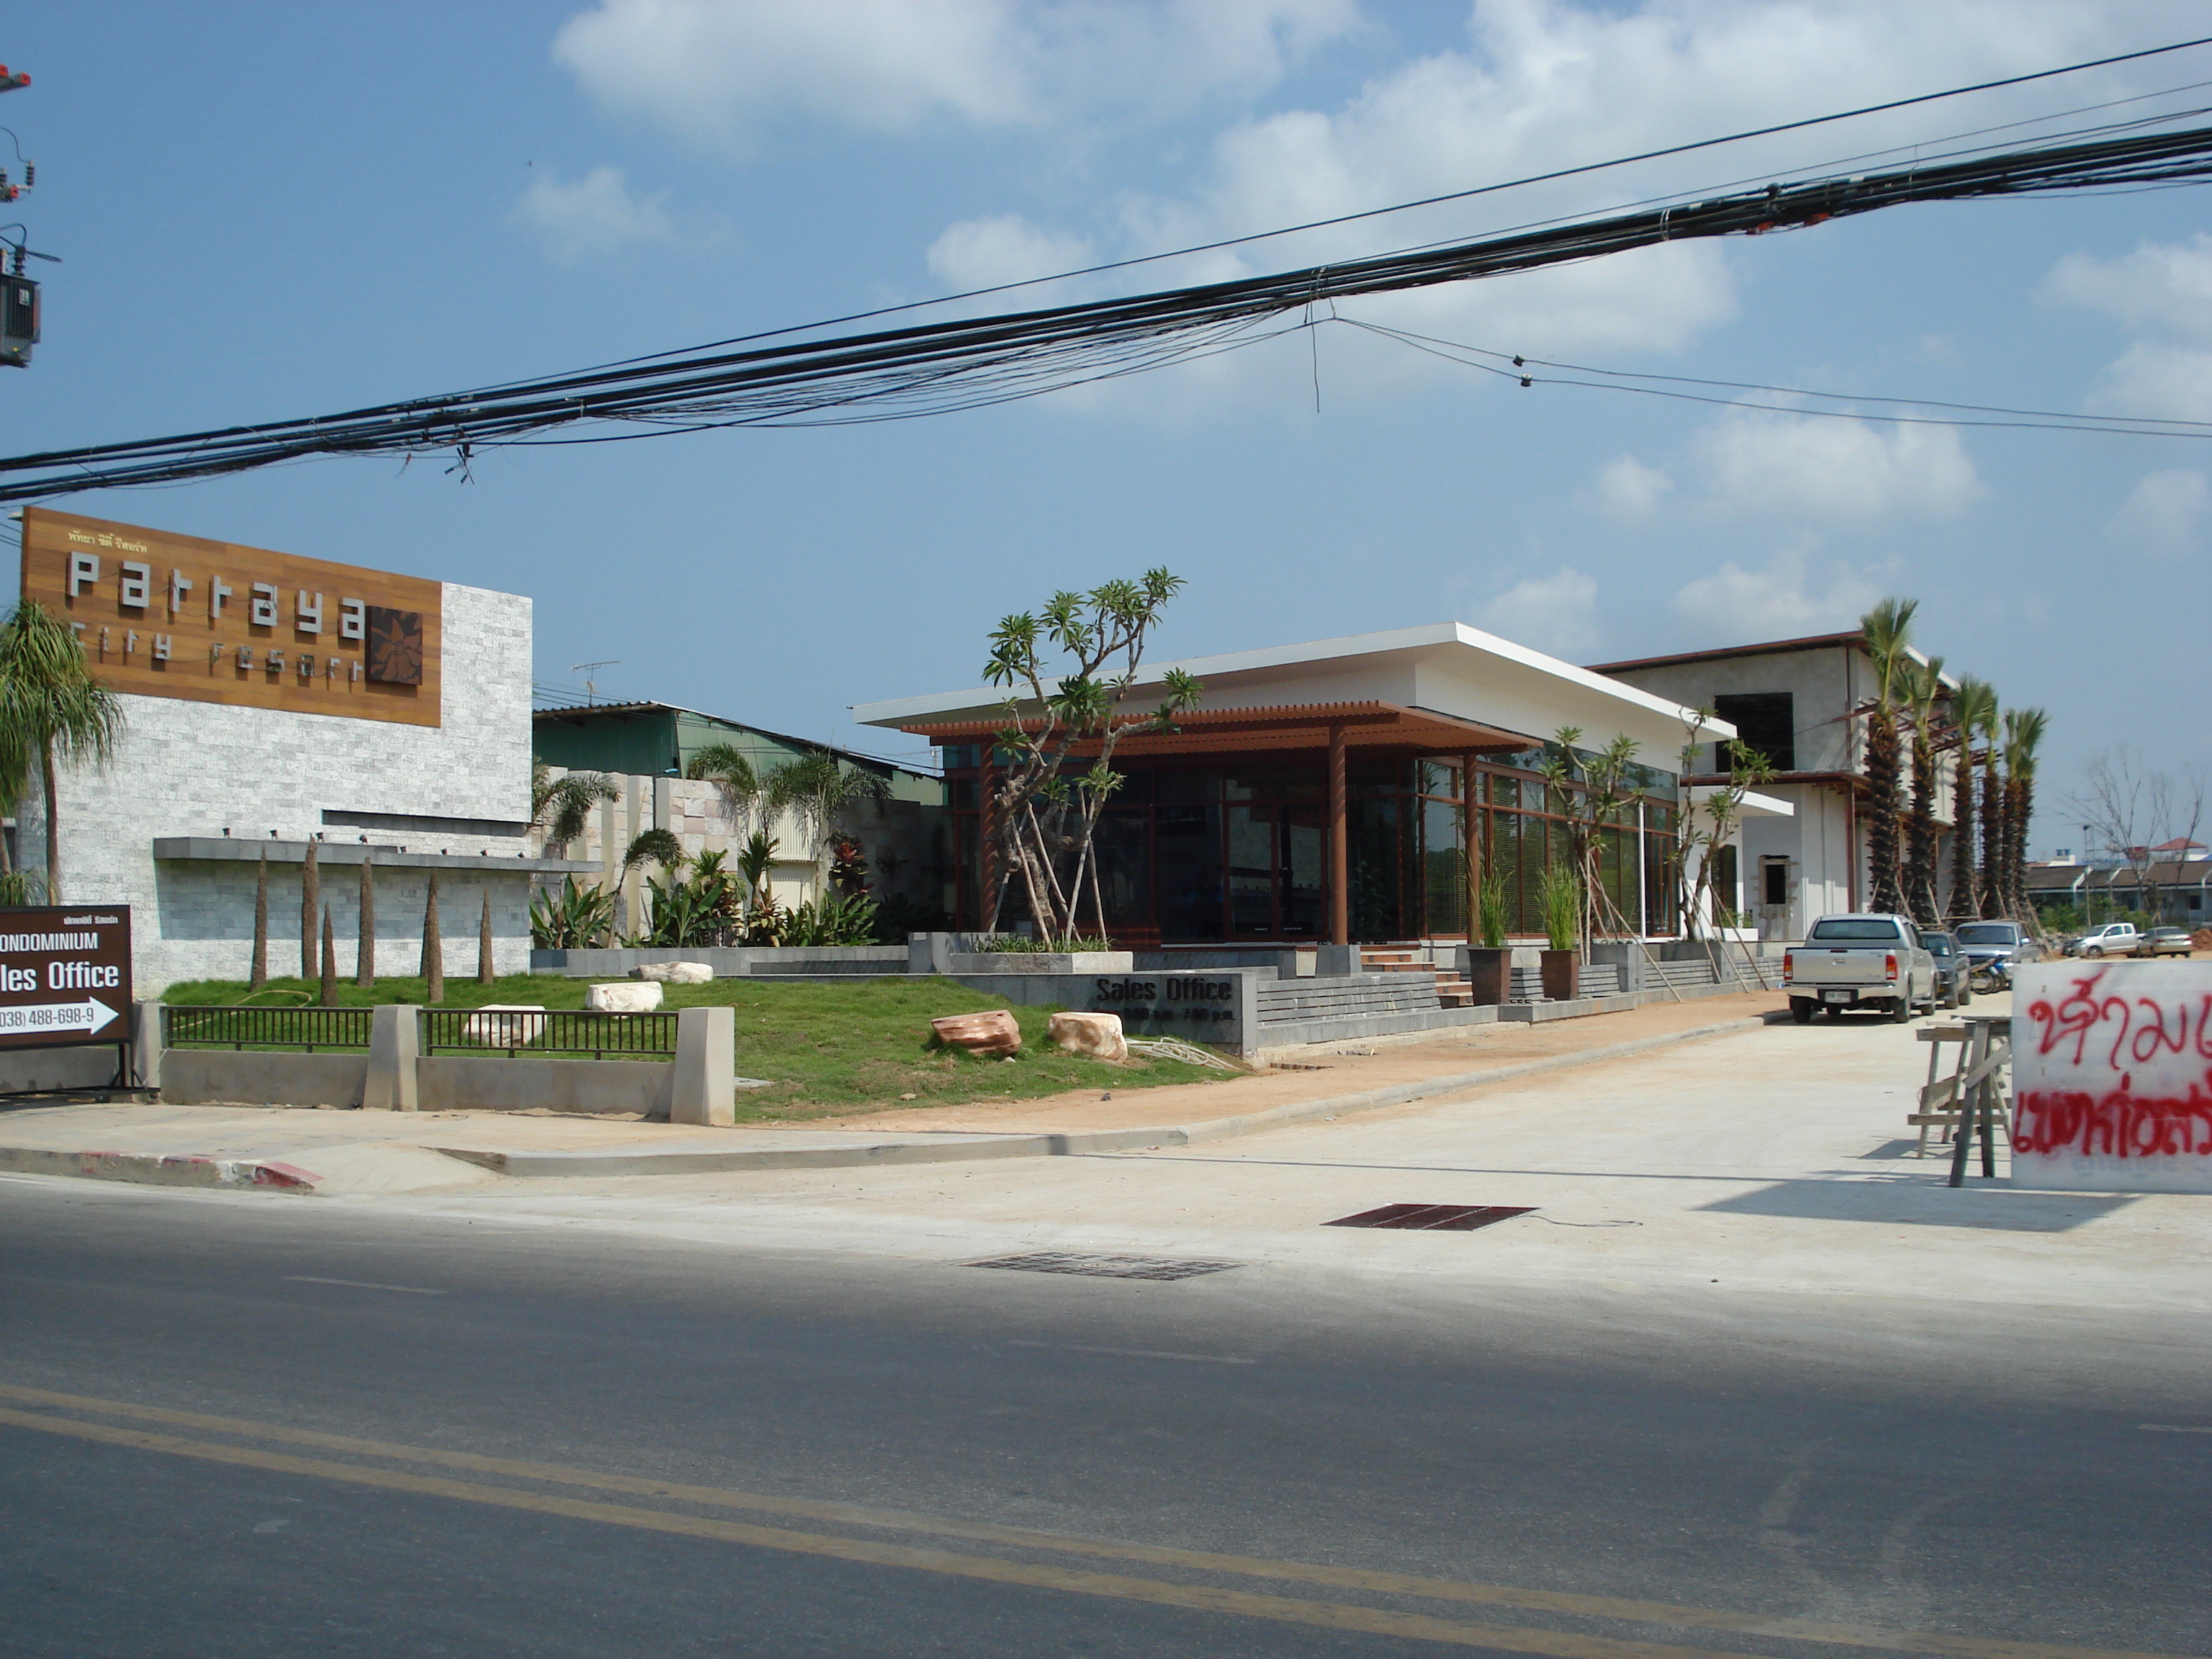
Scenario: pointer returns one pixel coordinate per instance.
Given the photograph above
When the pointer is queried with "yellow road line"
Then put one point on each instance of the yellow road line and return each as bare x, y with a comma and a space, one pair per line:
1328, 1615
1598, 1606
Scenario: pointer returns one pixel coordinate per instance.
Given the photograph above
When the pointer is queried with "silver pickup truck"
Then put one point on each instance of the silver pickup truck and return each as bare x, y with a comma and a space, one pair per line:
1855, 962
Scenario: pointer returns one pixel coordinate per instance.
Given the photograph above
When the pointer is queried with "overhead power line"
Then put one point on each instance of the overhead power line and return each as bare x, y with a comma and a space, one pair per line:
966, 363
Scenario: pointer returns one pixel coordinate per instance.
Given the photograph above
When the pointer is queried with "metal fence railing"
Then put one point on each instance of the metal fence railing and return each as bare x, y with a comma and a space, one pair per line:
559, 1031
257, 1027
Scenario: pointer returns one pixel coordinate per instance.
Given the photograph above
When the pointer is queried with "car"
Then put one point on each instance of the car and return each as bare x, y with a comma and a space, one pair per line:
1861, 961
2114, 938
1954, 977
1994, 949
2165, 942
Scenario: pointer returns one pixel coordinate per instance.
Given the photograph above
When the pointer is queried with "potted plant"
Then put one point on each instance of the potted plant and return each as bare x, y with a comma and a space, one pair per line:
1561, 894
1490, 963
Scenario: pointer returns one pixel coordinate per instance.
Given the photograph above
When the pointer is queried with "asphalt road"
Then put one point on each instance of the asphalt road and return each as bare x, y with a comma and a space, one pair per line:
237, 1425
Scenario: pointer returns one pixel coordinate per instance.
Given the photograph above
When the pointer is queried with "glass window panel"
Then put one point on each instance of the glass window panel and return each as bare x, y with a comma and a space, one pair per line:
1186, 869
1443, 867
1122, 846
1294, 781
1374, 844
1436, 777
1251, 872
1300, 841
1192, 788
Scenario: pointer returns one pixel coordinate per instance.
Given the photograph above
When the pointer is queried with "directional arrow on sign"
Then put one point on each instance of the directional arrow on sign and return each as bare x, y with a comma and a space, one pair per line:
90, 1015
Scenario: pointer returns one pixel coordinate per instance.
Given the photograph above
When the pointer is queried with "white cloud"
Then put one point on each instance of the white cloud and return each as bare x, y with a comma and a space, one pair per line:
2162, 292
2164, 513
1734, 605
585, 219
714, 69
1627, 488
984, 253
1556, 613
1838, 468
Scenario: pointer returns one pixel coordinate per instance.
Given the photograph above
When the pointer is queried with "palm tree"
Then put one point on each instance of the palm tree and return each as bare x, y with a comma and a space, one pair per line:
818, 790
564, 806
726, 766
1973, 705
1924, 690
1990, 891
52, 714
1885, 629
2024, 730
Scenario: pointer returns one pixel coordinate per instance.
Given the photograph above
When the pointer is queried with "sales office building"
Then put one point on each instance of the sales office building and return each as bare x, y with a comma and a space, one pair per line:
1338, 792
270, 701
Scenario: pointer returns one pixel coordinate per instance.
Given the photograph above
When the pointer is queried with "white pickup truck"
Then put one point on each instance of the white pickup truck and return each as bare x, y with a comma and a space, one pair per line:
1855, 962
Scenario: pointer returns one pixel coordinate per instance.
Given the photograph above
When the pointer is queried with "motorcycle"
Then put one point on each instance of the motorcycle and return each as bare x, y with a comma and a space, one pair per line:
1989, 978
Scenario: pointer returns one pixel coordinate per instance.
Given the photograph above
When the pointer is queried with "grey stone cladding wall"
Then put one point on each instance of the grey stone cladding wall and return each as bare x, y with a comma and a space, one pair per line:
197, 769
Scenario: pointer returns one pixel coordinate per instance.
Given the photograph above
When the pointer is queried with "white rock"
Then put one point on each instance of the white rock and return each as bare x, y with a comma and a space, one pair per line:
624, 997
1096, 1034
505, 1025
675, 973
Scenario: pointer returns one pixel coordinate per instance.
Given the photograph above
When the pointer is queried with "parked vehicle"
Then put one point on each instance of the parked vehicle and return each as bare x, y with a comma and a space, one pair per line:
1865, 961
2114, 938
2165, 942
1993, 949
1954, 975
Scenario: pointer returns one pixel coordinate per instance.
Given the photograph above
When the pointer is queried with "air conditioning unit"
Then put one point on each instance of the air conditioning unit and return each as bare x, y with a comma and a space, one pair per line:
18, 320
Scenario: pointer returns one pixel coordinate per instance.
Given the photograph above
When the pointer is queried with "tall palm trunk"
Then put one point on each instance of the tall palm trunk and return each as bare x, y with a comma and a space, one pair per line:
1962, 907
1881, 768
1920, 828
1989, 893
53, 821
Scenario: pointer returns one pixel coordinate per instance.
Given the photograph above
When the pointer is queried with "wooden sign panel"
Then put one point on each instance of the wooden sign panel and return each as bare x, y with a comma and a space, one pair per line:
168, 616
64, 975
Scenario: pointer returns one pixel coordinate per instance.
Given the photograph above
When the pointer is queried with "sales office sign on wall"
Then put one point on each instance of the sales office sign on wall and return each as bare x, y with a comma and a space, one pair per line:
167, 616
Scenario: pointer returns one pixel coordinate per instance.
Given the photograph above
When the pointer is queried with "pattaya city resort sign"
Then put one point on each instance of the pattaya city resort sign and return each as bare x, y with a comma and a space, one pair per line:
167, 616
2112, 1077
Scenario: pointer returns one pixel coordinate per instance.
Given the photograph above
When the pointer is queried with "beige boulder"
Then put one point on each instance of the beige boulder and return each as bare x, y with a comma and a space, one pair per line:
624, 997
992, 1032
505, 1025
675, 973
1098, 1035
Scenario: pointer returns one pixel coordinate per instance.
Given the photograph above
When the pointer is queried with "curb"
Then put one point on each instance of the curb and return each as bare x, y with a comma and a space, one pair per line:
160, 1170
533, 1164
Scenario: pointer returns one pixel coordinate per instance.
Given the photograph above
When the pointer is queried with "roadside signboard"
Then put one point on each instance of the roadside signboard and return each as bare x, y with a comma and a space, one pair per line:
64, 975
2112, 1077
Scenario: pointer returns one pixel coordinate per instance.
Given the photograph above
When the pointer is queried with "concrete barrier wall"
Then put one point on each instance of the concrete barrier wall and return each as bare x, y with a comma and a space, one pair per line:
449, 1083
728, 962
206, 1076
31, 1070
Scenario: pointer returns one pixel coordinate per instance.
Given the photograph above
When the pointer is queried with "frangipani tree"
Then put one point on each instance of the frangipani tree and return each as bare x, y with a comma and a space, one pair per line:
1068, 669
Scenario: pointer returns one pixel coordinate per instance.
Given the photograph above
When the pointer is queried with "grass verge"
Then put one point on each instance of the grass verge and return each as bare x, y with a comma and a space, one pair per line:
824, 1049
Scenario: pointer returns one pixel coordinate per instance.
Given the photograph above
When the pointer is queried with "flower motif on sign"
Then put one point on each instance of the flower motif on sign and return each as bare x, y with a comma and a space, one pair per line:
395, 646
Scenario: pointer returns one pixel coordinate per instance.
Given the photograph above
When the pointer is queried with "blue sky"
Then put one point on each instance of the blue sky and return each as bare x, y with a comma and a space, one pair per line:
279, 210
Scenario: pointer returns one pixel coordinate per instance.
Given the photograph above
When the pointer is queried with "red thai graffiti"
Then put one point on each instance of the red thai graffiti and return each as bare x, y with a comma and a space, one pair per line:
2116, 1124
2142, 1028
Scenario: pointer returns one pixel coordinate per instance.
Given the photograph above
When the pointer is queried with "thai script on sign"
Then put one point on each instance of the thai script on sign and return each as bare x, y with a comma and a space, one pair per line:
2114, 1071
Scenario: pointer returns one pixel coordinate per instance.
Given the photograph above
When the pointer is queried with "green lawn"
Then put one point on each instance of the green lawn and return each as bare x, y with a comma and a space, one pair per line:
824, 1049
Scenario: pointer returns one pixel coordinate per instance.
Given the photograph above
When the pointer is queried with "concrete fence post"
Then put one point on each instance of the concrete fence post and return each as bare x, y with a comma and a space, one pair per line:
394, 1043
704, 1088
146, 1044
1336, 961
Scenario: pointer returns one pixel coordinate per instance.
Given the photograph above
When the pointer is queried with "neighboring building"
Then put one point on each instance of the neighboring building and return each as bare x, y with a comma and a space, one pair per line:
646, 747
273, 700
1338, 792
658, 740
2182, 889
1797, 703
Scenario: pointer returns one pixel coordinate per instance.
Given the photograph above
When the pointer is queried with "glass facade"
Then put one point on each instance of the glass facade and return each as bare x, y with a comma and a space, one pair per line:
1230, 850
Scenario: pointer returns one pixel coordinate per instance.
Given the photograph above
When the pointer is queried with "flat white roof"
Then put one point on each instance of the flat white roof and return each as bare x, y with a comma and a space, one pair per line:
1447, 667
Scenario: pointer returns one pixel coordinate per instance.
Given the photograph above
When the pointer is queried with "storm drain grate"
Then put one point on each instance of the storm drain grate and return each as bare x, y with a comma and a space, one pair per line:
1107, 1266
1434, 1218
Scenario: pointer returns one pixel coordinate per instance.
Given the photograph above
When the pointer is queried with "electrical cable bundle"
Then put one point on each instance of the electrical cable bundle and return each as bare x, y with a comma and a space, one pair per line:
937, 367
